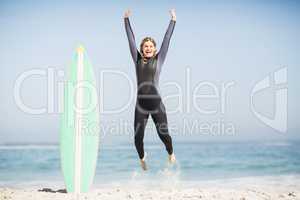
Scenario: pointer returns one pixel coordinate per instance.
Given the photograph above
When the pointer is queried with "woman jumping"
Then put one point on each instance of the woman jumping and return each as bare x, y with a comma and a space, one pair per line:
148, 63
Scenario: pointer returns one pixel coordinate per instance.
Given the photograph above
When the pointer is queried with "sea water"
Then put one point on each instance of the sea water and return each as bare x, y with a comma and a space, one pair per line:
196, 161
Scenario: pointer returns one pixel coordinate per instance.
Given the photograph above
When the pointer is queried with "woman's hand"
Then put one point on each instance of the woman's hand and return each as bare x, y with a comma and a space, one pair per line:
173, 14
127, 13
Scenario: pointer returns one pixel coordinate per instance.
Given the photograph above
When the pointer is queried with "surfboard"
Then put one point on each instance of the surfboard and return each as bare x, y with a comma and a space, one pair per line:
79, 125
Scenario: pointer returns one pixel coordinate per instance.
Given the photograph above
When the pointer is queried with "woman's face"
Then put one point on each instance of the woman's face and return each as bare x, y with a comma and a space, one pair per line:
148, 49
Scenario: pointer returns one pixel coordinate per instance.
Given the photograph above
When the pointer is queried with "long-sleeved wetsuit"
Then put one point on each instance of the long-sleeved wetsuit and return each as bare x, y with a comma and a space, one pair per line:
148, 98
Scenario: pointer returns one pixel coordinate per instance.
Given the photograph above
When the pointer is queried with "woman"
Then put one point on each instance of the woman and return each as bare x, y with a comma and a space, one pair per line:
148, 65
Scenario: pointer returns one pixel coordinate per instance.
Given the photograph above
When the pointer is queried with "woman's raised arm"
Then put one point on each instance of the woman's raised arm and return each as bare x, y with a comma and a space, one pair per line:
130, 36
165, 44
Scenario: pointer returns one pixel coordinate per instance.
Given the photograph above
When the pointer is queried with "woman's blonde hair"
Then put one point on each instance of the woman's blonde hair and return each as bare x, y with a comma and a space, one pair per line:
147, 39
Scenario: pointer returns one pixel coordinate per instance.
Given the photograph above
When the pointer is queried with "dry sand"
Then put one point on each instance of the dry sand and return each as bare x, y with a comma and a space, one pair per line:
251, 188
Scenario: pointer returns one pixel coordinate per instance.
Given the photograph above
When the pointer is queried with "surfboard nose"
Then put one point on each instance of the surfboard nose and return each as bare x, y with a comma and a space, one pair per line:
80, 49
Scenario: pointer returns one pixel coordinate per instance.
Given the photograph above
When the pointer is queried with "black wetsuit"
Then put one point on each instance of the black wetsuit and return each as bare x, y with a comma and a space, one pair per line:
148, 98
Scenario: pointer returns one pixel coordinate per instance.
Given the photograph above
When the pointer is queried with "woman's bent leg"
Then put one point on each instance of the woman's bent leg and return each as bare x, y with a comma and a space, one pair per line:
161, 123
140, 121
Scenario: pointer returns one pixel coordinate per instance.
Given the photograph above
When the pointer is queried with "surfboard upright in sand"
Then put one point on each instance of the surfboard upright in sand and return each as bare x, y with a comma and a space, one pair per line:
79, 128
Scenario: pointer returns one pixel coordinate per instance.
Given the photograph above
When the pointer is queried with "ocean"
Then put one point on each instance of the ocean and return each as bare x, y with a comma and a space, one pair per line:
36, 164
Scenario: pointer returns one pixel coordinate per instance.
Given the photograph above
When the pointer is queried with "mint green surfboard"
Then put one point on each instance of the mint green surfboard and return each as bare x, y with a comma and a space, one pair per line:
79, 127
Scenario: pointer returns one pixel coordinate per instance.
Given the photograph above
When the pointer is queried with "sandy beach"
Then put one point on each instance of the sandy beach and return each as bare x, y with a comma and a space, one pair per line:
252, 188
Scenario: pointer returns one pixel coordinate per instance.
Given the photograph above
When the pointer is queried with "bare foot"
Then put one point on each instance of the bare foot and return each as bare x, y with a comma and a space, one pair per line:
143, 162
143, 165
172, 158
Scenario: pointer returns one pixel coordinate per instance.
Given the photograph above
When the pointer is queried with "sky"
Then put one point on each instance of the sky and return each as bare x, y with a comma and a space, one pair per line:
218, 53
